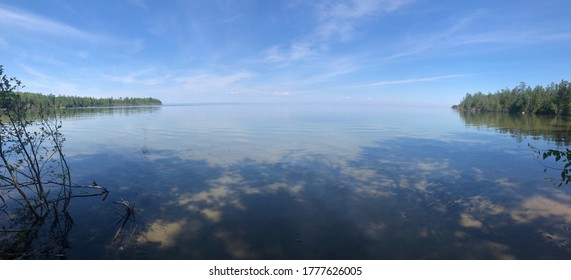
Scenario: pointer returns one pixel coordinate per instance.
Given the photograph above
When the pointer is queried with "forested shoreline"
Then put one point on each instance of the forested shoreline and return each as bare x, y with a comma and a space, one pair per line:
554, 99
36, 100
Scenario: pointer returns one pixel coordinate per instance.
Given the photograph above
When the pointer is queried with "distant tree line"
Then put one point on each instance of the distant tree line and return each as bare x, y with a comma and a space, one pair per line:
36, 100
554, 99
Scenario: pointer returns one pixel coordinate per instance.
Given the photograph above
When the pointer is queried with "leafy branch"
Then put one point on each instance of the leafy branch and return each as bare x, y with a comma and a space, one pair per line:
560, 156
35, 179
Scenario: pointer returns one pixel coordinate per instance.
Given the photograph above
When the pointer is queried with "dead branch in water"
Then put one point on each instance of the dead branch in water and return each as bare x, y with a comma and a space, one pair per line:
129, 214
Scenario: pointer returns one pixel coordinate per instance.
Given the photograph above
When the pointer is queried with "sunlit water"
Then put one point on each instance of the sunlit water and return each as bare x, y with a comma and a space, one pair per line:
243, 181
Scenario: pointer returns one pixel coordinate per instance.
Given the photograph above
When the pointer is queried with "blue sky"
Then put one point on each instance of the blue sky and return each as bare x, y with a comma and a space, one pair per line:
370, 51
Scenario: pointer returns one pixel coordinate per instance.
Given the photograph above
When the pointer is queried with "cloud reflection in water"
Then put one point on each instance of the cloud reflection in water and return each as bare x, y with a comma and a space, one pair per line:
407, 198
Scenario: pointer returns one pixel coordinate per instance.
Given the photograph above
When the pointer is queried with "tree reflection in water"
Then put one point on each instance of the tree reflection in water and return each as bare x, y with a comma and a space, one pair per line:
555, 129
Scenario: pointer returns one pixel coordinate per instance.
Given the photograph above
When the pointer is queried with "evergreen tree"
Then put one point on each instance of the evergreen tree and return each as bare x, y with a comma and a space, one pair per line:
554, 99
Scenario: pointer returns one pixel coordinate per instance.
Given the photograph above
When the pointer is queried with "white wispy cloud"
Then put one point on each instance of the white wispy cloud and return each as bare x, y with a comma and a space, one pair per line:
46, 83
335, 20
146, 76
339, 18
138, 45
296, 51
82, 54
422, 43
210, 82
408, 81
139, 3
3, 43
511, 38
468, 32
21, 20
329, 69
282, 93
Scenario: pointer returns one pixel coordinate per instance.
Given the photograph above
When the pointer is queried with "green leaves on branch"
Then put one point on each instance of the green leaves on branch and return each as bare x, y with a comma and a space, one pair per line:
563, 156
31, 158
35, 180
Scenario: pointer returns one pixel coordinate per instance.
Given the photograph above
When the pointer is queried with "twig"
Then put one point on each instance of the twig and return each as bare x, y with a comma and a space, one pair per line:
129, 212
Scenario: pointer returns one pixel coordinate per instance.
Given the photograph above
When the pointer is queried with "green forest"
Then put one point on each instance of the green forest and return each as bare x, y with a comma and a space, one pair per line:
36, 100
554, 99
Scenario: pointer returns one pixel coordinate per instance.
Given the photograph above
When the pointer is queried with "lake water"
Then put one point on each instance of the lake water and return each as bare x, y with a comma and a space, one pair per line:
259, 181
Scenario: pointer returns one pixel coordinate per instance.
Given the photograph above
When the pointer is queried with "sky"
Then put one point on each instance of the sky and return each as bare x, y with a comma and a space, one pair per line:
411, 52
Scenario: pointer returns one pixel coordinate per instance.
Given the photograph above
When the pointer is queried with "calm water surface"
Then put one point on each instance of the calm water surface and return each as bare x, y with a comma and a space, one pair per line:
240, 181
